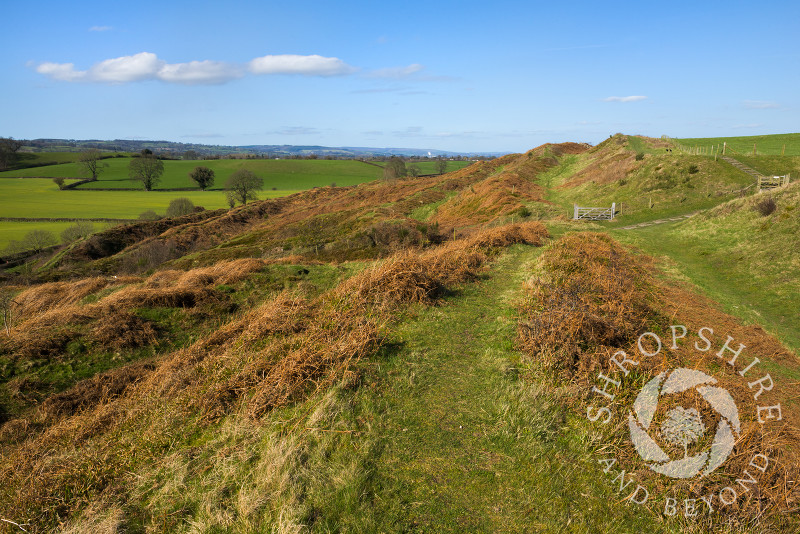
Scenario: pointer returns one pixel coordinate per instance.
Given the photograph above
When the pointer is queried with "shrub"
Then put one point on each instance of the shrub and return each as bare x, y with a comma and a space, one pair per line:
203, 176
180, 206
59, 182
639, 156
766, 206
693, 169
149, 215
77, 231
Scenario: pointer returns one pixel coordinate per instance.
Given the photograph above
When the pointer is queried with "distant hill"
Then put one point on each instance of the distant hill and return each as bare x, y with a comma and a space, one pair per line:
177, 149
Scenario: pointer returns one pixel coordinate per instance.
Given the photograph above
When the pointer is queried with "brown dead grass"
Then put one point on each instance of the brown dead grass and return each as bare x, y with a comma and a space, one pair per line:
44, 297
99, 389
498, 195
610, 162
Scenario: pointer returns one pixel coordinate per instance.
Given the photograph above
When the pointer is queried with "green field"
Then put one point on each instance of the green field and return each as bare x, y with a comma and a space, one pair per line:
277, 174
770, 145
15, 231
26, 159
41, 198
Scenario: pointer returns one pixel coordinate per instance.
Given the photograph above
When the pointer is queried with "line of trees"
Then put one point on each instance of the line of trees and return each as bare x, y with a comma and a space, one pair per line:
9, 148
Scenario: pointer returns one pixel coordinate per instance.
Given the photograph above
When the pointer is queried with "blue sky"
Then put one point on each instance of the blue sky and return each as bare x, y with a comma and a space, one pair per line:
461, 76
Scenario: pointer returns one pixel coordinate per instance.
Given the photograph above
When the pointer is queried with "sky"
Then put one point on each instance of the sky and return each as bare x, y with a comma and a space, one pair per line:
463, 76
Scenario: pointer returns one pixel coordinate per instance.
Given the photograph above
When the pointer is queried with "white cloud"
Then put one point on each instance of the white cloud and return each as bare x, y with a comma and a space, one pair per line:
313, 65
63, 72
143, 66
634, 98
101, 28
147, 66
396, 73
760, 104
199, 72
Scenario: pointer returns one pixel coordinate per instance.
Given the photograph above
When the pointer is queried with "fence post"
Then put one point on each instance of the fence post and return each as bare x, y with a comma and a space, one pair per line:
613, 209
575, 211
724, 146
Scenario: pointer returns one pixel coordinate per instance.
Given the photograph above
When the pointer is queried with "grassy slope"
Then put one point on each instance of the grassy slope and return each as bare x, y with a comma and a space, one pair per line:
746, 261
765, 144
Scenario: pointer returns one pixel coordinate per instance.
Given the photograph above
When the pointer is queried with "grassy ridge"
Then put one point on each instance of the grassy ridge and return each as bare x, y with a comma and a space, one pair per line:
659, 185
772, 145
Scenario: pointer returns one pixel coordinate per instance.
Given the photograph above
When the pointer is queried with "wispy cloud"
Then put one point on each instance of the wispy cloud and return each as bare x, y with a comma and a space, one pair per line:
396, 73
297, 130
202, 136
579, 47
760, 104
634, 98
313, 65
101, 28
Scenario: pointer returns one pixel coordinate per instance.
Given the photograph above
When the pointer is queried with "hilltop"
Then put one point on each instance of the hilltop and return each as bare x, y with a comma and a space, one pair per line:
411, 354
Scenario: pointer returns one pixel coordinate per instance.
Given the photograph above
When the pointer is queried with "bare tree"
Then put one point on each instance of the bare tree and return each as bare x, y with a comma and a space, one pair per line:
243, 185
6, 300
38, 240
147, 168
441, 165
90, 162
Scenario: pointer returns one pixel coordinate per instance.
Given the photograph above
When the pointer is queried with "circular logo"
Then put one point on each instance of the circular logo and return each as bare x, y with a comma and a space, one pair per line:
682, 426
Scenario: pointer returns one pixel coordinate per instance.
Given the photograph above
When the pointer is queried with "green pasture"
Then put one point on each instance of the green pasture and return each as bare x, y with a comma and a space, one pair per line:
281, 174
41, 198
769, 145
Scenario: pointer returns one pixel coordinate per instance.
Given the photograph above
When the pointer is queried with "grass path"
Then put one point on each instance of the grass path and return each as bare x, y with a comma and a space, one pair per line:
467, 444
